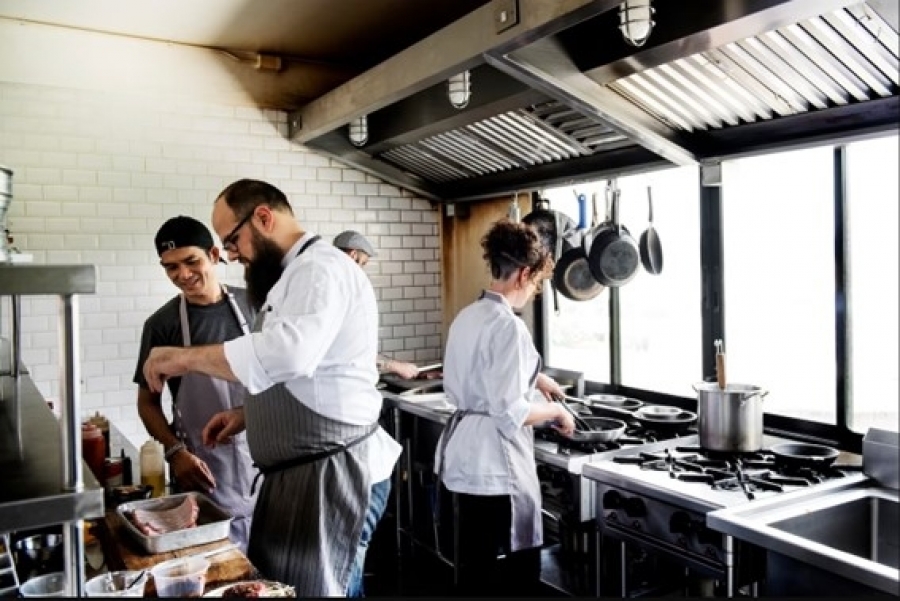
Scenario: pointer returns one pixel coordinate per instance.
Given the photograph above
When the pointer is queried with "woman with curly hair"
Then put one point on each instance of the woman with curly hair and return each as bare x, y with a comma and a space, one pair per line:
492, 373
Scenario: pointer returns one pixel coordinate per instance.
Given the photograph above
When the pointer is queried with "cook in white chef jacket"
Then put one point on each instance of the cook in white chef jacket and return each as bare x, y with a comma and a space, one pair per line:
486, 452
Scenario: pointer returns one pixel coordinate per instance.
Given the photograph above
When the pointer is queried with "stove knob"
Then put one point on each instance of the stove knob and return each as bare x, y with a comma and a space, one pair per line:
635, 508
680, 523
612, 500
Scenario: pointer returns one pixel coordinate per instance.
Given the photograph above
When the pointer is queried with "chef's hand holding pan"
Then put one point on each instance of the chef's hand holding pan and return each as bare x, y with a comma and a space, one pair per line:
564, 423
549, 388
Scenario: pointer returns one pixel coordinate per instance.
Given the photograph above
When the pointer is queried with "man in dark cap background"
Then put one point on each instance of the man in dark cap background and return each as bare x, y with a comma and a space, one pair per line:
206, 312
360, 250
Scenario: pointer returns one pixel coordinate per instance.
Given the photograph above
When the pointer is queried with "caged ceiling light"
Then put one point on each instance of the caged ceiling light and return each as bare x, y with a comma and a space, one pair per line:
459, 89
636, 21
359, 131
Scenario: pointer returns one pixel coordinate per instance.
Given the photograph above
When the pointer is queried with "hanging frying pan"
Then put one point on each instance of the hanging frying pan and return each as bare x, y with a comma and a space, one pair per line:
571, 274
613, 256
650, 246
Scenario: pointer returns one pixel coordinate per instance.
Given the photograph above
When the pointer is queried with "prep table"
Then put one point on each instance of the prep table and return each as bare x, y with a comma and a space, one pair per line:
122, 552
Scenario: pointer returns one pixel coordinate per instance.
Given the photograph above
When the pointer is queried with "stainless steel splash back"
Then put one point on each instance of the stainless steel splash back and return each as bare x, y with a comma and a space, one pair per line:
535, 135
850, 55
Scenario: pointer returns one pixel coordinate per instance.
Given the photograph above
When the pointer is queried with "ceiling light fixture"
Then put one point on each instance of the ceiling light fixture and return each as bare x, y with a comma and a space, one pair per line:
636, 21
459, 89
358, 131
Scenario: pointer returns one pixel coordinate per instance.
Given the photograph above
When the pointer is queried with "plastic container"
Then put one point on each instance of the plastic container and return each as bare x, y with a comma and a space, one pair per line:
93, 449
153, 467
112, 584
48, 585
182, 577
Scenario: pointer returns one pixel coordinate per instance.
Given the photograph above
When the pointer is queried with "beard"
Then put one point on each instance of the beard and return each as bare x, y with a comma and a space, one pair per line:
263, 271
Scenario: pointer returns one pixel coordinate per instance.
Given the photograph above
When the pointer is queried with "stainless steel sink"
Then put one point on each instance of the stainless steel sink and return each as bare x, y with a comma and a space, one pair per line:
846, 529
863, 524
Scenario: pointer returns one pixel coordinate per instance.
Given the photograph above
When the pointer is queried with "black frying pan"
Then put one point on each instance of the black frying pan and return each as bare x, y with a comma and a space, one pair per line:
613, 255
794, 455
650, 246
572, 274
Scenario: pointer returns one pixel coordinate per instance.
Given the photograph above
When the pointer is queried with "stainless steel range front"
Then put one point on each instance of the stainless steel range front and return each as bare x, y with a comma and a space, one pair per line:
569, 504
656, 496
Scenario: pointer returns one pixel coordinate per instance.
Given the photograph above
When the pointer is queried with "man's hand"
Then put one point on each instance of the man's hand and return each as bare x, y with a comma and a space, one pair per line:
164, 362
403, 369
549, 388
222, 426
191, 472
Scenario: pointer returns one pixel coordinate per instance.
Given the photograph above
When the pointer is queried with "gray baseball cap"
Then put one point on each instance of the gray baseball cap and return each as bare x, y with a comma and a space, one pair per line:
351, 240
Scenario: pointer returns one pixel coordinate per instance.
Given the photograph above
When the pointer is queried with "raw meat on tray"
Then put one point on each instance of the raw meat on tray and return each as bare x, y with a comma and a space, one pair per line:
153, 522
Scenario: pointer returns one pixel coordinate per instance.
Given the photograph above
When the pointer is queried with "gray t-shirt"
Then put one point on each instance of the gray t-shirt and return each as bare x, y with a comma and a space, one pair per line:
210, 324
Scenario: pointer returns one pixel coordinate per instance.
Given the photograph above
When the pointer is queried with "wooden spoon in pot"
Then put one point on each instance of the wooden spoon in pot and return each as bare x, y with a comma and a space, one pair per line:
720, 364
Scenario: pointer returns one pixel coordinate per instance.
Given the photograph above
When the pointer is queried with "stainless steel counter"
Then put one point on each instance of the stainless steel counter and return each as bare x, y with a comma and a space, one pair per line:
32, 494
422, 405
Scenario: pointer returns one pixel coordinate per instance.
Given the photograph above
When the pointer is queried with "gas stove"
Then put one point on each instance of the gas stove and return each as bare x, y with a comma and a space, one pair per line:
657, 496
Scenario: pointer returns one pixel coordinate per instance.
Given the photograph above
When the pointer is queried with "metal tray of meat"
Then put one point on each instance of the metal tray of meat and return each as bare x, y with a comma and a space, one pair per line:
213, 523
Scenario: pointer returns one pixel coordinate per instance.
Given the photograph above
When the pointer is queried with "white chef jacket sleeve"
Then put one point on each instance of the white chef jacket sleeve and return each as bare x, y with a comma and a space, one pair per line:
296, 334
504, 379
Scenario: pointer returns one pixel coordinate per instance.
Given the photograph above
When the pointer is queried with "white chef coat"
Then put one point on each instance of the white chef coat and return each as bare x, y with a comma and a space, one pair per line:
320, 338
489, 366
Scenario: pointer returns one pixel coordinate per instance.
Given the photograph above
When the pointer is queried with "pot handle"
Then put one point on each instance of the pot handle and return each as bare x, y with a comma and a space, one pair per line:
761, 394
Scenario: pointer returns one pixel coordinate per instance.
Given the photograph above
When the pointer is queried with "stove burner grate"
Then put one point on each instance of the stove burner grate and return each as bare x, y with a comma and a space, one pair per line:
748, 472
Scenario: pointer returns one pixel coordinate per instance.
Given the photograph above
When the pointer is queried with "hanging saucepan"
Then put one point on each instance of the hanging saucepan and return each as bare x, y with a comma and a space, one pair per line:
571, 274
548, 224
613, 256
650, 246
796, 455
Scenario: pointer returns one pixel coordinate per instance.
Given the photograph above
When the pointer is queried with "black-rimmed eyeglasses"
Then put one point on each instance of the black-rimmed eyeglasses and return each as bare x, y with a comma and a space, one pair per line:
228, 242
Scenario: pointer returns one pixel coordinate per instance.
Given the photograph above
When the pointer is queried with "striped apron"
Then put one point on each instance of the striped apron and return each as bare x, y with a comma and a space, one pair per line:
312, 505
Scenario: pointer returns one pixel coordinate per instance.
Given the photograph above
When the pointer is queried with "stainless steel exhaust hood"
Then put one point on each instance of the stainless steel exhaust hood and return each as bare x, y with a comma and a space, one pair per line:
559, 97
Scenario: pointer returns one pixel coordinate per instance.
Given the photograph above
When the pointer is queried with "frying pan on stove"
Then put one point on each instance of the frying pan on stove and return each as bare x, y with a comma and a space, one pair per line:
594, 429
795, 455
662, 419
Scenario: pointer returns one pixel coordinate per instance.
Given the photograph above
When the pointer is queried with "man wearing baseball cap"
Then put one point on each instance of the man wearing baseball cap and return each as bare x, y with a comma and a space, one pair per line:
359, 249
206, 312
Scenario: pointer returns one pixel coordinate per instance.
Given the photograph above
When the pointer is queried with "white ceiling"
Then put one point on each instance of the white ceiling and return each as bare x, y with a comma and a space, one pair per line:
350, 34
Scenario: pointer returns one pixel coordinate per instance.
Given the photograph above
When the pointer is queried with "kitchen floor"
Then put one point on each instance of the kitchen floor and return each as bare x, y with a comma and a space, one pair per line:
421, 575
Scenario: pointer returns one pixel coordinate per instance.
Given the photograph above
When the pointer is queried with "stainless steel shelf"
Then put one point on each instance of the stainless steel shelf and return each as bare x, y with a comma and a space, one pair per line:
32, 493
27, 280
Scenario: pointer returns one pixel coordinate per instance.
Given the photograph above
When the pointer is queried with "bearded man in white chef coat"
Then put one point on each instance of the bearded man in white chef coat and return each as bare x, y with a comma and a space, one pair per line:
311, 415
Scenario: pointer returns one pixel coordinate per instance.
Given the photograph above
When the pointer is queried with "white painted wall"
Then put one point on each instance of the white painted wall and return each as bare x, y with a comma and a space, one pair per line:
96, 172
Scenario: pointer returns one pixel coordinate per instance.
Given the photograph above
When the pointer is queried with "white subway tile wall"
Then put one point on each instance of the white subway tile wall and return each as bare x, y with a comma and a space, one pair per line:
95, 175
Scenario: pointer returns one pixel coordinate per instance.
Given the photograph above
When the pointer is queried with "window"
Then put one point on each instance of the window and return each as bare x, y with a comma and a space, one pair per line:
778, 231
872, 195
660, 315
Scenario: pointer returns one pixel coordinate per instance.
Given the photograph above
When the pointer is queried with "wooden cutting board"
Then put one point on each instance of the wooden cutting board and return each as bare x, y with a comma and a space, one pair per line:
122, 552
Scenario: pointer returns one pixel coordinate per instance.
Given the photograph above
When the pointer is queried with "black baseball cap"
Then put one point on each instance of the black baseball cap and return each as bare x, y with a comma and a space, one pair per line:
182, 231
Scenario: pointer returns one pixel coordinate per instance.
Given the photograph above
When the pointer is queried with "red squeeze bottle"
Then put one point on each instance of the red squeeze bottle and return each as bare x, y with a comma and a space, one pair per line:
93, 449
